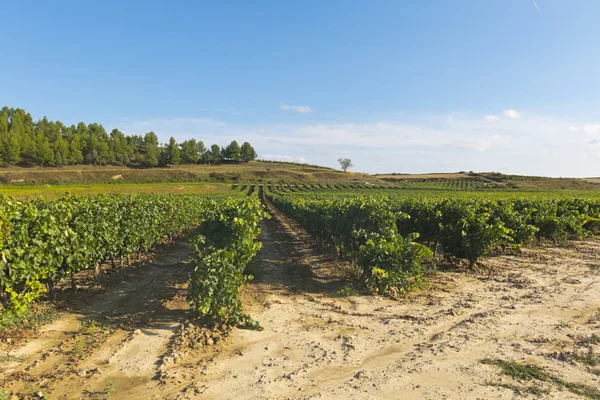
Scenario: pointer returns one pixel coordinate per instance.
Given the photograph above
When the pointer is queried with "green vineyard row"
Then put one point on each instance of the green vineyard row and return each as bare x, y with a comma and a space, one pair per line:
44, 242
387, 235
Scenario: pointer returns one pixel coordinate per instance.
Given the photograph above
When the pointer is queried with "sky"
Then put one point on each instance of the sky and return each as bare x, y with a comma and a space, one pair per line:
397, 86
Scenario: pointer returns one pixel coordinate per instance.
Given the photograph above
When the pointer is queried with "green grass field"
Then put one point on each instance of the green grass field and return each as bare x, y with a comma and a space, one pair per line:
49, 192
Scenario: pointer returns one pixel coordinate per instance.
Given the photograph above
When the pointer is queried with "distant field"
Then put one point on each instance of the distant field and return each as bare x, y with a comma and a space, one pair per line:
424, 176
255, 171
51, 192
491, 180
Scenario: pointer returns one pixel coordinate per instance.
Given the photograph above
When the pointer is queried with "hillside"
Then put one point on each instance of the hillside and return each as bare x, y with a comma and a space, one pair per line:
254, 171
491, 180
276, 172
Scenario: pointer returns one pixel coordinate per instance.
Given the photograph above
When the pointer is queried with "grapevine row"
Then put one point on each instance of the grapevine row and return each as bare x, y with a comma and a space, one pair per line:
43, 242
370, 229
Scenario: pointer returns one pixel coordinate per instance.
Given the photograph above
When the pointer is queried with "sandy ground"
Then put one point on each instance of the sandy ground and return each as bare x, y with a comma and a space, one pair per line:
532, 307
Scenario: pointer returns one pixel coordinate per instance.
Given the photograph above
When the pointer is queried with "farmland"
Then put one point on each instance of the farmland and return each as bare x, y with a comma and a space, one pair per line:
360, 289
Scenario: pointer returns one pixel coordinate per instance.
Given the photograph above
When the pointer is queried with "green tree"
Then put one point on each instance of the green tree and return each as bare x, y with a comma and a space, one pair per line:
189, 152
151, 149
232, 152
44, 153
200, 149
172, 153
214, 154
345, 163
76, 150
11, 152
247, 152
61, 151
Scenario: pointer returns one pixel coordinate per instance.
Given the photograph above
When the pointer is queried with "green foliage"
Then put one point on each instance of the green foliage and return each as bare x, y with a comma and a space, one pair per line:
392, 266
232, 151
47, 241
109, 389
172, 154
462, 225
364, 231
247, 152
530, 372
25, 142
345, 163
224, 244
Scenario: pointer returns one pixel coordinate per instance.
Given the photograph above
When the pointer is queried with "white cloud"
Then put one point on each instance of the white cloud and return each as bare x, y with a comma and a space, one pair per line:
284, 158
492, 118
593, 155
591, 129
573, 129
483, 143
511, 114
414, 143
300, 109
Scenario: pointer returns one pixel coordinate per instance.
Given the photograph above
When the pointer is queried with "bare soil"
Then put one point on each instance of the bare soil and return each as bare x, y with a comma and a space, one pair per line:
540, 306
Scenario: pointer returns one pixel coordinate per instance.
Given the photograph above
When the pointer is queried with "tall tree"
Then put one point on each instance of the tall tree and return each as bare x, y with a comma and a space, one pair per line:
214, 154
232, 151
46, 142
61, 151
11, 151
189, 151
151, 149
173, 155
247, 152
44, 154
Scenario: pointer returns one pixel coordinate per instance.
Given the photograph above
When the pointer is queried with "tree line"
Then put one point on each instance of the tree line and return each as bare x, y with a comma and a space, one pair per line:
47, 143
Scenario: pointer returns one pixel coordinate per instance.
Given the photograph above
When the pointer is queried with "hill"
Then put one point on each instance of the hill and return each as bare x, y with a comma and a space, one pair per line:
254, 171
491, 180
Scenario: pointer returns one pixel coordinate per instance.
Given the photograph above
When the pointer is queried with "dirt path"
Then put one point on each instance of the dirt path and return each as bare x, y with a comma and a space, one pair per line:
314, 345
115, 340
533, 307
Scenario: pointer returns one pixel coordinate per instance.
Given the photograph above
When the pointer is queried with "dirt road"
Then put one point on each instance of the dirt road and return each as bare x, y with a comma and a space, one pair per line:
536, 307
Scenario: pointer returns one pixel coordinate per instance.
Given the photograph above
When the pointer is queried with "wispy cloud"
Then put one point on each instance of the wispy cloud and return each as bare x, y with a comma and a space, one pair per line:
591, 129
511, 114
492, 118
300, 109
284, 158
536, 6
408, 144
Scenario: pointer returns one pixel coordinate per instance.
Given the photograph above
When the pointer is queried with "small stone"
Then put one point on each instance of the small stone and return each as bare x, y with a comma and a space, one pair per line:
209, 342
361, 375
83, 372
8, 340
137, 332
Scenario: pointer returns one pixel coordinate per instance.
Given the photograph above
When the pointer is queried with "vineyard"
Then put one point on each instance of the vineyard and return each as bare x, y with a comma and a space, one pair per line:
340, 260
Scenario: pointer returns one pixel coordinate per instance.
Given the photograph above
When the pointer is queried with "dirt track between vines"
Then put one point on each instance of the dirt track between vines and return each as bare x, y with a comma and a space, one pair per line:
530, 307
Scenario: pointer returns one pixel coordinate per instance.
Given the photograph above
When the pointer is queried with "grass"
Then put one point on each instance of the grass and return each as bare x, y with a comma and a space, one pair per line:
109, 389
51, 192
588, 340
520, 391
91, 333
32, 318
78, 348
256, 171
531, 372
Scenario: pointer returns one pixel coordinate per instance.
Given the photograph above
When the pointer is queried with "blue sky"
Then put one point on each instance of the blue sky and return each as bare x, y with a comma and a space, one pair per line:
397, 86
